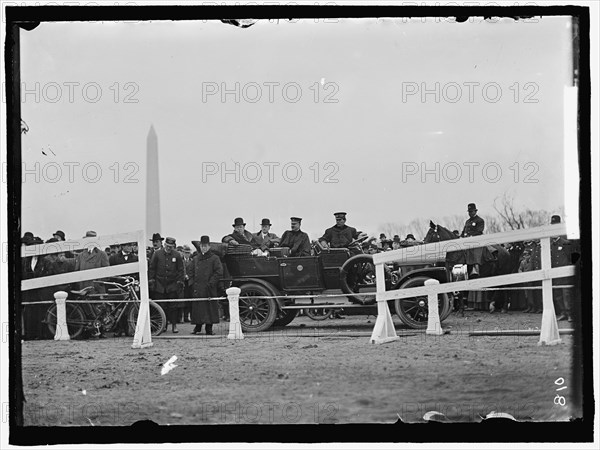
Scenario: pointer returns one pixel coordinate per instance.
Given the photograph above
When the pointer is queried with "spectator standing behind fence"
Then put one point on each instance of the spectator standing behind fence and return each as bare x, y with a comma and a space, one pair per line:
32, 267
206, 271
166, 279
123, 256
91, 258
188, 290
560, 251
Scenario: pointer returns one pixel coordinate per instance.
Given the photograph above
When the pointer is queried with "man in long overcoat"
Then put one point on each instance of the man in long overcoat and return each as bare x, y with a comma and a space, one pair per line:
166, 279
205, 274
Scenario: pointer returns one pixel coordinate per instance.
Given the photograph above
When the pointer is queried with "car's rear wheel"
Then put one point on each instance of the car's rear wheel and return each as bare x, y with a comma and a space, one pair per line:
318, 313
357, 275
256, 314
414, 311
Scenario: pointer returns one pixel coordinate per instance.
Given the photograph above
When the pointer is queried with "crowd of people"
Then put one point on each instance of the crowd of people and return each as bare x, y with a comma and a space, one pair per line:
177, 272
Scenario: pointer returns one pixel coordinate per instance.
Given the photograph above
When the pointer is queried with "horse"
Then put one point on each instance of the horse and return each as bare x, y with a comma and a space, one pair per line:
496, 260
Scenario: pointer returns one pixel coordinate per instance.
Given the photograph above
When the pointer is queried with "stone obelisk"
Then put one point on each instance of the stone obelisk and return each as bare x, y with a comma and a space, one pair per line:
152, 185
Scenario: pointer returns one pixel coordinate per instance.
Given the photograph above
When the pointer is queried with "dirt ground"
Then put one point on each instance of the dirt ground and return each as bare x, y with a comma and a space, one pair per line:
307, 372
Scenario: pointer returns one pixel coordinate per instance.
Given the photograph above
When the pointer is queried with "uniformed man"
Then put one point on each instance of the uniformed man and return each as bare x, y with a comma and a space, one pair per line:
297, 240
474, 226
264, 238
166, 279
340, 235
240, 235
560, 252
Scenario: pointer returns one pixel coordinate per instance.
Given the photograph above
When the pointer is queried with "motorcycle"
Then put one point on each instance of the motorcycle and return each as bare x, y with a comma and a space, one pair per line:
116, 311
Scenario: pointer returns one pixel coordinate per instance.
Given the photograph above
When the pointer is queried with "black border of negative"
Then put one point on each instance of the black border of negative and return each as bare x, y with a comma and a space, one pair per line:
497, 430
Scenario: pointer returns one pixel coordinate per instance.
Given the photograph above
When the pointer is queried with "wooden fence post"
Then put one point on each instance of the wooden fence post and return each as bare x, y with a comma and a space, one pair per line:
235, 327
434, 326
62, 331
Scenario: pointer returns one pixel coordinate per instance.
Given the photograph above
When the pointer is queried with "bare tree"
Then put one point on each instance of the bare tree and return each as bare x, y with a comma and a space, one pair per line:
513, 218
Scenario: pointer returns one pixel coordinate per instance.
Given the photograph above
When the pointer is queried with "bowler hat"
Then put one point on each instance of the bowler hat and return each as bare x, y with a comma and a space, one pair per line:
238, 221
410, 236
28, 234
170, 241
157, 237
382, 236
296, 219
396, 238
204, 240
60, 233
35, 241
555, 219
266, 222
90, 234
471, 207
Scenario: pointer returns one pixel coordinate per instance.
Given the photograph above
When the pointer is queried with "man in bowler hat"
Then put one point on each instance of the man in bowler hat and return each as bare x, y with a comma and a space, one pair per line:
240, 235
205, 272
264, 238
166, 279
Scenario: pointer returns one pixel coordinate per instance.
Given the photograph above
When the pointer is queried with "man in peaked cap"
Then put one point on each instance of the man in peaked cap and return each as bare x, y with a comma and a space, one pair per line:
340, 235
166, 279
474, 226
240, 235
297, 240
264, 238
561, 250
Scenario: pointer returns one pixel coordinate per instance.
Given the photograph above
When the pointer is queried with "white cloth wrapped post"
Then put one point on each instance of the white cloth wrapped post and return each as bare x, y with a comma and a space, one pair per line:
384, 330
549, 334
434, 325
235, 327
62, 332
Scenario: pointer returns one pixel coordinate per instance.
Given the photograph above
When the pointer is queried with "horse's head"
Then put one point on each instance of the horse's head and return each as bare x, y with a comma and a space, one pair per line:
437, 233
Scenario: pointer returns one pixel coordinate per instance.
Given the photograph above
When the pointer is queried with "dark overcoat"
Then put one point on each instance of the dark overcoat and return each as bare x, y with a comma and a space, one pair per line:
205, 273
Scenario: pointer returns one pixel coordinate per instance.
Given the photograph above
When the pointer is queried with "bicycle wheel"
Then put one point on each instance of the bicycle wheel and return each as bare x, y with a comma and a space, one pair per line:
75, 320
158, 319
318, 313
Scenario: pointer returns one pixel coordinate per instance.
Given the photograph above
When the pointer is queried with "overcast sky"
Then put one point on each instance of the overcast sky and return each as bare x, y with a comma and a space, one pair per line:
345, 103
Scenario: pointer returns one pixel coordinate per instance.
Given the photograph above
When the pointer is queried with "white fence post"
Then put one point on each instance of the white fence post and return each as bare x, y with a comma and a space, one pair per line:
384, 330
434, 325
235, 327
62, 332
143, 332
549, 334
